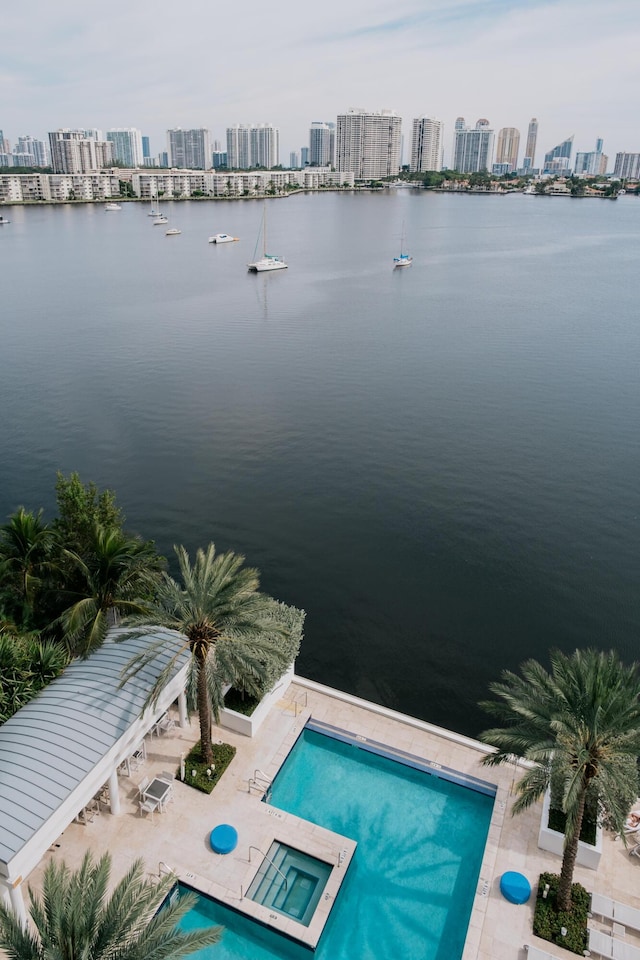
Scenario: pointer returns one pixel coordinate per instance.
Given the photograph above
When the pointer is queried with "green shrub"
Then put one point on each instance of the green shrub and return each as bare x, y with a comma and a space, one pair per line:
548, 921
240, 701
223, 754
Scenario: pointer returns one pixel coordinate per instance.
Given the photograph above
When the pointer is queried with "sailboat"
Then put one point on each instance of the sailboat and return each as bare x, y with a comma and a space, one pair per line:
268, 261
159, 218
155, 211
404, 260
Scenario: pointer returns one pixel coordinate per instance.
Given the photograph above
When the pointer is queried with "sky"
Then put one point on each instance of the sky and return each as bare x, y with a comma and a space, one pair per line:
155, 64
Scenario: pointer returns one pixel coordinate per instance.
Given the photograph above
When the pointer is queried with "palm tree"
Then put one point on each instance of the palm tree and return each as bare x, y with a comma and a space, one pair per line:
75, 918
234, 633
579, 725
25, 557
114, 577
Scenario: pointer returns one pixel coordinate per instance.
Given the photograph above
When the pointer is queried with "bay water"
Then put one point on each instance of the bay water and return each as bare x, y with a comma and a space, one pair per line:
440, 464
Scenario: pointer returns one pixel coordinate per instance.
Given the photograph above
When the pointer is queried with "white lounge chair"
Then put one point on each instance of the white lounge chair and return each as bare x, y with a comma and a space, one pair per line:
534, 953
615, 911
600, 943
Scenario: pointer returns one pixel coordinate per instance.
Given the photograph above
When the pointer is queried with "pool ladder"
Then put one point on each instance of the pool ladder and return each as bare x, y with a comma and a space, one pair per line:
269, 860
260, 781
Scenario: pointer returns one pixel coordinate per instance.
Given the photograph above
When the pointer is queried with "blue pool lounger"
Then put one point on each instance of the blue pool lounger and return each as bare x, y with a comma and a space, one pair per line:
224, 838
515, 887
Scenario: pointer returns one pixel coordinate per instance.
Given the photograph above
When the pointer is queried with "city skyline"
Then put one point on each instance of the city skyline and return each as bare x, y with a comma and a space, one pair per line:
58, 68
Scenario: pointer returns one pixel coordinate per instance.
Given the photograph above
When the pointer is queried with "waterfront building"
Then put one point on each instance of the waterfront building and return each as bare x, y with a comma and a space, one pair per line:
219, 158
507, 148
368, 144
163, 159
593, 163
557, 160
472, 147
304, 156
529, 161
73, 152
252, 145
146, 152
127, 146
426, 145
189, 149
6, 159
627, 166
294, 160
322, 144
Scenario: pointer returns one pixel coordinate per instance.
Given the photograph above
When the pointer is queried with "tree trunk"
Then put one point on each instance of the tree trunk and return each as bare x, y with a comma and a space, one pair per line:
569, 858
204, 714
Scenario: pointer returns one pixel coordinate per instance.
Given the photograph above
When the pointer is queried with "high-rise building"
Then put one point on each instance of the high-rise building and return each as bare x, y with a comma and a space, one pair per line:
369, 144
73, 152
426, 145
593, 163
253, 145
472, 147
32, 152
558, 159
294, 160
219, 158
5, 146
189, 149
507, 147
304, 156
530, 150
127, 146
163, 159
627, 166
146, 151
322, 144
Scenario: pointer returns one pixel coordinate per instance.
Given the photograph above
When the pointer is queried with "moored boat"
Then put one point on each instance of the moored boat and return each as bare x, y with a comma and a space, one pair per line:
173, 232
222, 238
112, 206
268, 261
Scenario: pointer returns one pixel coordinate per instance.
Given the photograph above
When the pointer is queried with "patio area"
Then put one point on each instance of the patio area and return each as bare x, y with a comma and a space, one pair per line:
178, 838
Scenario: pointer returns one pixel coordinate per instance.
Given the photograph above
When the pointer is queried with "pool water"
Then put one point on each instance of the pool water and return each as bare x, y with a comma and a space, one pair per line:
410, 887
290, 882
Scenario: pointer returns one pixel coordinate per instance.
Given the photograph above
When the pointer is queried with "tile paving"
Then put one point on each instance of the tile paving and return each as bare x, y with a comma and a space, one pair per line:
179, 837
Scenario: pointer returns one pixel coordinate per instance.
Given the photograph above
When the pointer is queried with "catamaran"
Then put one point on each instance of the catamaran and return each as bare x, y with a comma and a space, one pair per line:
268, 261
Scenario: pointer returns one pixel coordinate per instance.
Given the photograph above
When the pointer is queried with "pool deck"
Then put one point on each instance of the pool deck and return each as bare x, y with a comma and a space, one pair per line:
179, 837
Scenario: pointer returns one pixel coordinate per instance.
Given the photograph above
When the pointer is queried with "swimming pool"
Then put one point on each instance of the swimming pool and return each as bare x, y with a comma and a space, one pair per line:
411, 884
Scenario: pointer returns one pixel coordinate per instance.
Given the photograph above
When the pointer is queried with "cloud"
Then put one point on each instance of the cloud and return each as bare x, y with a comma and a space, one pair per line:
151, 65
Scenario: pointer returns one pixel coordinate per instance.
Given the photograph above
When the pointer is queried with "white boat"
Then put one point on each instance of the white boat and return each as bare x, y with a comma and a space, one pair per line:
222, 238
268, 261
404, 260
173, 232
112, 206
160, 219
3, 220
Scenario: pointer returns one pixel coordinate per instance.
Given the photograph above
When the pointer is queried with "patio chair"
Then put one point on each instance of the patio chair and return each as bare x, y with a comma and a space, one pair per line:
169, 778
166, 723
147, 806
142, 786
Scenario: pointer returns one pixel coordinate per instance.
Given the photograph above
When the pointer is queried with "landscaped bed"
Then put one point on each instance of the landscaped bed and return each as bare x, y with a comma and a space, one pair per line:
549, 922
204, 776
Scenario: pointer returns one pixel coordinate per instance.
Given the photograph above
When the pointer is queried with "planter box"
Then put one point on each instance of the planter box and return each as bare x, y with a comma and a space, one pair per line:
249, 726
551, 840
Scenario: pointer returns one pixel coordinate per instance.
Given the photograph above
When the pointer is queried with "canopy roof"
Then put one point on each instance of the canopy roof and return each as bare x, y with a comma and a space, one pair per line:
58, 750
